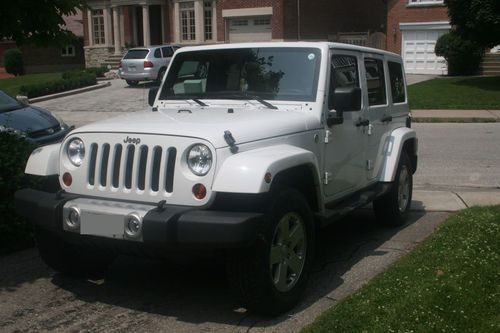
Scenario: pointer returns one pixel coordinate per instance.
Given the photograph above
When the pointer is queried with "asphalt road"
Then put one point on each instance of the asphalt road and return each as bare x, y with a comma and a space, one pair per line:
156, 296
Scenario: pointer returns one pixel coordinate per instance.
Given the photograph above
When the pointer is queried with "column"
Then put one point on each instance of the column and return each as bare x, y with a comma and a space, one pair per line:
108, 38
90, 27
116, 31
145, 25
162, 23
134, 25
122, 27
177, 24
199, 22
215, 38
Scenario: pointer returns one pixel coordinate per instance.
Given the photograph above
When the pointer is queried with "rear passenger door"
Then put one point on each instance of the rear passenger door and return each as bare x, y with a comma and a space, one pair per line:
376, 111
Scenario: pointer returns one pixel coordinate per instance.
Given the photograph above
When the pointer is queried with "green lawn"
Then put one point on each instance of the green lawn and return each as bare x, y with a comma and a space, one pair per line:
450, 283
11, 85
472, 93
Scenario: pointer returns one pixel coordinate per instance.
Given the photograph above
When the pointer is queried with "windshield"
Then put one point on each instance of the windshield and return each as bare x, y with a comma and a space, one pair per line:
8, 103
285, 73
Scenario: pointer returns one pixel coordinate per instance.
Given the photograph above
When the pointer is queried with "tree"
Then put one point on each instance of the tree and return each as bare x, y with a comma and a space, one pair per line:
39, 22
476, 20
463, 56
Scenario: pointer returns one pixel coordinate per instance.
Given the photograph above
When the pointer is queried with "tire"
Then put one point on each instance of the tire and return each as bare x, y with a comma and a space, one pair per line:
161, 74
270, 277
392, 208
132, 83
70, 259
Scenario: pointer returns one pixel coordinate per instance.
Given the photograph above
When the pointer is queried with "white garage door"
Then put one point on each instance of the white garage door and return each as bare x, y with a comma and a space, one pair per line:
250, 29
418, 52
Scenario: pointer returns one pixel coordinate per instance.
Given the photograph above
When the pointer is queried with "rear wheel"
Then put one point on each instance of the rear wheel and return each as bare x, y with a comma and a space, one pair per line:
392, 208
132, 83
271, 276
71, 259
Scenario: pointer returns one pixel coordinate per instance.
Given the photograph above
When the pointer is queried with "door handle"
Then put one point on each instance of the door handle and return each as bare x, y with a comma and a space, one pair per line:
386, 119
363, 122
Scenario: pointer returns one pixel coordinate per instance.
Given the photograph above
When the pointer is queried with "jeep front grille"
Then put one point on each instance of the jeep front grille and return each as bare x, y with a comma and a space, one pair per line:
132, 167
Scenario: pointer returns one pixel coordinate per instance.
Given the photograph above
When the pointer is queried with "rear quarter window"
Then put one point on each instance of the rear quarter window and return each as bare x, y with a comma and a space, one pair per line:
397, 82
136, 54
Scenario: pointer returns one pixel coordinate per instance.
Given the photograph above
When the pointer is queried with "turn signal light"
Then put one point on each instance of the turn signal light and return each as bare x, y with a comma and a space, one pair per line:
67, 179
148, 64
199, 191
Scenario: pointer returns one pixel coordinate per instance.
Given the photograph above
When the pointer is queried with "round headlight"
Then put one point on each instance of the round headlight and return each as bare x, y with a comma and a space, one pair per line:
76, 151
199, 159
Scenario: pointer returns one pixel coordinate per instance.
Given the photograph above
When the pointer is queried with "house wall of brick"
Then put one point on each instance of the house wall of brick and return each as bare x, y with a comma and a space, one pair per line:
398, 12
320, 19
49, 59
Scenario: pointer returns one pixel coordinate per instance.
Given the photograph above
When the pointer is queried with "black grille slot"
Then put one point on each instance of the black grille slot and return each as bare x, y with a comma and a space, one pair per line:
155, 172
104, 164
143, 160
116, 166
169, 176
130, 166
93, 156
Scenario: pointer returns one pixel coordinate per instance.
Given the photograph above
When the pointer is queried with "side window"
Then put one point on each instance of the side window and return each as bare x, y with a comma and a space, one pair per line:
167, 52
157, 53
397, 82
375, 81
344, 74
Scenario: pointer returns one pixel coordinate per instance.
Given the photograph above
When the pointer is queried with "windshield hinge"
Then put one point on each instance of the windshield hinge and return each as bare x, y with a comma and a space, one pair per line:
228, 136
328, 134
327, 178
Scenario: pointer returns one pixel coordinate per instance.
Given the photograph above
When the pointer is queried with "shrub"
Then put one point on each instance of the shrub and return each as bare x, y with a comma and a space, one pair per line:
97, 71
70, 80
463, 56
15, 232
13, 62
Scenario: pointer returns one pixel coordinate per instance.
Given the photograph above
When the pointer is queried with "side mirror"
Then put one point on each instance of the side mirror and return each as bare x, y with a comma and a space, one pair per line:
23, 100
347, 99
152, 95
334, 118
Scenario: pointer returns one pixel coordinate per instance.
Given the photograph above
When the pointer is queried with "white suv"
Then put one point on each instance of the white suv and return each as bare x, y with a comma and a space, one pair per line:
248, 149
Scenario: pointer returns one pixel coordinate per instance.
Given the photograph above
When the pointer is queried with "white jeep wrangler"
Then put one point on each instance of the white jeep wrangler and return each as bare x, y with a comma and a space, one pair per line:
248, 149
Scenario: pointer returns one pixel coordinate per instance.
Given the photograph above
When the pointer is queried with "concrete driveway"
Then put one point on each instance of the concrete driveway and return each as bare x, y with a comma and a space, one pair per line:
155, 296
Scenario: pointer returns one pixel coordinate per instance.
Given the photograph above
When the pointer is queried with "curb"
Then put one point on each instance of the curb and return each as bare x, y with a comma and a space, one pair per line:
70, 92
454, 120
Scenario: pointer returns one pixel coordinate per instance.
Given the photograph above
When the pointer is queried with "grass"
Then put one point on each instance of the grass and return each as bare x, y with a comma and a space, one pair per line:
468, 93
450, 283
11, 85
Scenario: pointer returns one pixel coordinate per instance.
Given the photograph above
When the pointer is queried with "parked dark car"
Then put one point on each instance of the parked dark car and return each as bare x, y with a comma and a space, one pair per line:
35, 124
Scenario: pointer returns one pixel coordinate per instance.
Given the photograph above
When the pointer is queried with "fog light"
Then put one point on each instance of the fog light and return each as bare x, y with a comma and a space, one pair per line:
73, 218
199, 191
67, 179
133, 225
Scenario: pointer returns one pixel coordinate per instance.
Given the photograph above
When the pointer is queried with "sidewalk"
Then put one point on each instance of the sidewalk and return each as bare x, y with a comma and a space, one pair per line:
455, 116
455, 200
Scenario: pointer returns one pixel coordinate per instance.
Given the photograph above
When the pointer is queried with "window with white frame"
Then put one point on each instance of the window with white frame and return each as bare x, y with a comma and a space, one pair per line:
98, 27
188, 22
68, 51
207, 19
425, 2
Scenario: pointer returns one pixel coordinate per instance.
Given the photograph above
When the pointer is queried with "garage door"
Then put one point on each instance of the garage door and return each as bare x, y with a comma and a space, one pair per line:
250, 29
418, 52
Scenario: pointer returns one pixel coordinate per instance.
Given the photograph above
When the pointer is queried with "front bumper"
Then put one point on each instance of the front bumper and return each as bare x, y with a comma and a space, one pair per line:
174, 226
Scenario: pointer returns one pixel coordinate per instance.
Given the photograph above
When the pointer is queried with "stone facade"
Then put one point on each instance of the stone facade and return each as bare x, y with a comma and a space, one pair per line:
96, 56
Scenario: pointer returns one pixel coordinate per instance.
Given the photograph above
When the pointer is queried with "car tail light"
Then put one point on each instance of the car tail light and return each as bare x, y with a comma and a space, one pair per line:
148, 64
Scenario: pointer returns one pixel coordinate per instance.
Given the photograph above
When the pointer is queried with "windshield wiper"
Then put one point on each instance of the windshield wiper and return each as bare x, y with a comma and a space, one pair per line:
199, 102
247, 96
186, 97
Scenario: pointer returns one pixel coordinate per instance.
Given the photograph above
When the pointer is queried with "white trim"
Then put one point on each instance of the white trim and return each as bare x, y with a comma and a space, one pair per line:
258, 11
421, 3
437, 25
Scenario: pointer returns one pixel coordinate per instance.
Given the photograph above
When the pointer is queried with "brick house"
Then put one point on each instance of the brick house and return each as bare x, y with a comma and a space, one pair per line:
110, 26
51, 58
413, 27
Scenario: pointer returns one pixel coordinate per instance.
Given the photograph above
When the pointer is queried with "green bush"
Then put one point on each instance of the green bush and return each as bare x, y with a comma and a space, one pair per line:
13, 62
97, 71
463, 56
15, 232
70, 80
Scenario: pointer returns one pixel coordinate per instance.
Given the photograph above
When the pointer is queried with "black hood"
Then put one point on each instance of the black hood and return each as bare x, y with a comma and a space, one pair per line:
28, 119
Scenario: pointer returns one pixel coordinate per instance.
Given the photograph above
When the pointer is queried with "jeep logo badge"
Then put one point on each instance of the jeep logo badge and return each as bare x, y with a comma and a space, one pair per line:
135, 141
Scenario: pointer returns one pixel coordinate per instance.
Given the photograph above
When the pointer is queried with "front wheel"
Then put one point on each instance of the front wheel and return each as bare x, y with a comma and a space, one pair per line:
271, 276
392, 208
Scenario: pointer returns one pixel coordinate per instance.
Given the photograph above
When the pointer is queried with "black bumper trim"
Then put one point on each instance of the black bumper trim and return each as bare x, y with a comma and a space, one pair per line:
175, 226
